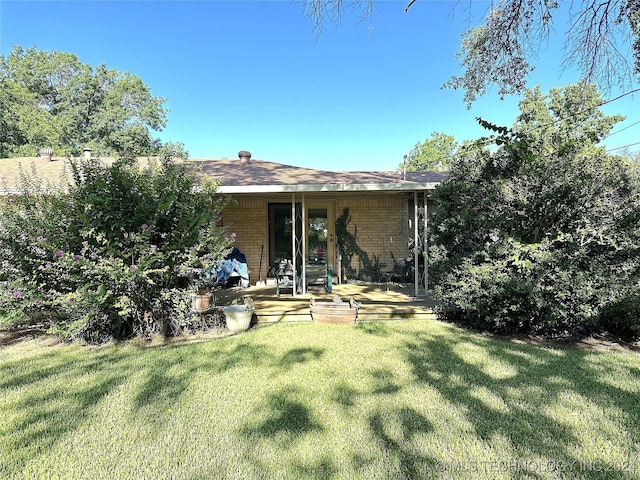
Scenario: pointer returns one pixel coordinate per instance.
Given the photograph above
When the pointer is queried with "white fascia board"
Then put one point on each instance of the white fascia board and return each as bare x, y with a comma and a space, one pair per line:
328, 187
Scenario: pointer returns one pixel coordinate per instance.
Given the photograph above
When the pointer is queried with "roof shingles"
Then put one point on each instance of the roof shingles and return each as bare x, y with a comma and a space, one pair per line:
257, 173
239, 176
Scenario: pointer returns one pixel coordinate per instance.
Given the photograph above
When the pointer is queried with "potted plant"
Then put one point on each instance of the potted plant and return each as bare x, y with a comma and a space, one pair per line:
202, 299
238, 315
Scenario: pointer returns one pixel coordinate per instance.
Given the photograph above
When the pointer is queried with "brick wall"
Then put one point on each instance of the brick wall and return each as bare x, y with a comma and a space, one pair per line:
380, 223
247, 218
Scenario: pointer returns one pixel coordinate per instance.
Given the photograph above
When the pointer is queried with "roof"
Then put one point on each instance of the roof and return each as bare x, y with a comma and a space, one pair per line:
254, 176
51, 173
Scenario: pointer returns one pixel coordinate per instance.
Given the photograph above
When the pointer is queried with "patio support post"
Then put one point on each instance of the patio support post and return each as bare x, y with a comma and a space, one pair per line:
337, 256
426, 245
294, 253
298, 245
304, 246
416, 271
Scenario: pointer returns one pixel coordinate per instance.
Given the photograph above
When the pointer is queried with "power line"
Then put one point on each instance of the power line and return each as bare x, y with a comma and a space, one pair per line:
604, 102
620, 96
490, 140
623, 129
624, 146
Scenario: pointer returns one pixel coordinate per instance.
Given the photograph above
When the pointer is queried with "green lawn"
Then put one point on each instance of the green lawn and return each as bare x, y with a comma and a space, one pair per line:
392, 400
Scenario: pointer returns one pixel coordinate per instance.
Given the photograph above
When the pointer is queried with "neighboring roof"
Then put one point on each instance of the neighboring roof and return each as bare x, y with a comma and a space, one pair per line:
254, 176
52, 173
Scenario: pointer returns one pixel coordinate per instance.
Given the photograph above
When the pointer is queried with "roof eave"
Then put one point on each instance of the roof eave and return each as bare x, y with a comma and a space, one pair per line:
328, 187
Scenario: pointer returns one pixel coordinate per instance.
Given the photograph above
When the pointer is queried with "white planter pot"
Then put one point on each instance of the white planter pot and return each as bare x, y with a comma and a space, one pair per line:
238, 318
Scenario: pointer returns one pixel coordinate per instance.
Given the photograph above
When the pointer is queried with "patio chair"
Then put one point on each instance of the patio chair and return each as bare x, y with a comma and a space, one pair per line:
399, 272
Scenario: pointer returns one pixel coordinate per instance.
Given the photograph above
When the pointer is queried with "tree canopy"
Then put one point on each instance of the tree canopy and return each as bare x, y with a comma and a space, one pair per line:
50, 99
434, 153
499, 49
567, 118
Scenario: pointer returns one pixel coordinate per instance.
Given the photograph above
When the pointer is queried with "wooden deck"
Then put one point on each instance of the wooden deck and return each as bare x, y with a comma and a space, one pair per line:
377, 302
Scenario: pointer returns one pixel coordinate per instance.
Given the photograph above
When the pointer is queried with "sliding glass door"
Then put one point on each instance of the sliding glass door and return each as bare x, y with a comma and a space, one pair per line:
318, 232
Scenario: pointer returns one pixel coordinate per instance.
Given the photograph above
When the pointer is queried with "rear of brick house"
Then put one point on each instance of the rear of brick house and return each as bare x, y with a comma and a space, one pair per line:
363, 224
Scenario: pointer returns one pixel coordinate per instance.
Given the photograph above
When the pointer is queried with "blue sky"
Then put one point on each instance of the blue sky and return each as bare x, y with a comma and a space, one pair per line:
252, 75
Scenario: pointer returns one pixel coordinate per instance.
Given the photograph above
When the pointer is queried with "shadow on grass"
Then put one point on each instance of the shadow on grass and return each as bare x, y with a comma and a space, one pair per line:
507, 392
537, 381
286, 420
396, 432
299, 355
172, 373
345, 395
379, 329
164, 381
384, 382
49, 395
321, 469
54, 401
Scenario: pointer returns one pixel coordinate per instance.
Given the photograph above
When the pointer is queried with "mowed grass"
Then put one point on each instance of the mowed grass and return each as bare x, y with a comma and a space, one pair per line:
388, 400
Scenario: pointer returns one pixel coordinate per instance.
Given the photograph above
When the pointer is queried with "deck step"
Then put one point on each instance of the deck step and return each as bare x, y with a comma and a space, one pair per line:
363, 316
377, 302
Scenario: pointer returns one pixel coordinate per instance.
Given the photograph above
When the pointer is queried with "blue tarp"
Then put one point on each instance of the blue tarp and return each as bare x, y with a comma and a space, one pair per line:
235, 261
227, 267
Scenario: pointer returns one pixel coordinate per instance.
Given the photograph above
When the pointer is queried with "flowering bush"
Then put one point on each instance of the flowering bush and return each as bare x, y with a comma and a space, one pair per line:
93, 259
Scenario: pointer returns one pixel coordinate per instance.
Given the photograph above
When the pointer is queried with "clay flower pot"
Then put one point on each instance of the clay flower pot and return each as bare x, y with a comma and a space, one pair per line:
202, 301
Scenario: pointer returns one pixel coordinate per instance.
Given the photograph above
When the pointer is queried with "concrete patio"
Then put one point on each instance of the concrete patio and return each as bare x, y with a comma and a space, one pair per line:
384, 301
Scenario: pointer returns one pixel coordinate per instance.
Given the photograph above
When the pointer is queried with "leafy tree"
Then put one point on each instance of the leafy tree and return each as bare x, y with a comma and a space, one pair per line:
498, 51
103, 257
50, 99
434, 153
533, 238
567, 118
631, 156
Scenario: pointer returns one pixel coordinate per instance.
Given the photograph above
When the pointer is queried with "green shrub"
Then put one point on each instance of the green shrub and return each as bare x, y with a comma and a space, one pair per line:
622, 317
515, 287
173, 312
530, 241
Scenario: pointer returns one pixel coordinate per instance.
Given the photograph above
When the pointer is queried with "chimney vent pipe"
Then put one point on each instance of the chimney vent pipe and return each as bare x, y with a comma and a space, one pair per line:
45, 154
245, 156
